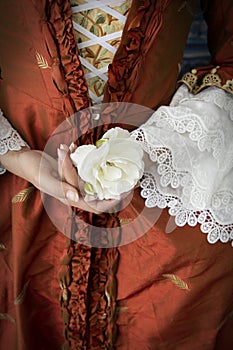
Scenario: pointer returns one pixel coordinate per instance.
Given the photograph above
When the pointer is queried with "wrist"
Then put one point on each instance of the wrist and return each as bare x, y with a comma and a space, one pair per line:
10, 160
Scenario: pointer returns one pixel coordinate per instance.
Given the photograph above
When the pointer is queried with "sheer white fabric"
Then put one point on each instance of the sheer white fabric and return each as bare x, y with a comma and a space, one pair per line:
10, 140
190, 168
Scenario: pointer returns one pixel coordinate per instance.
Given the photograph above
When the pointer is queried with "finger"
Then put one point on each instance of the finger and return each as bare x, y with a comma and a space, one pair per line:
49, 183
108, 206
102, 206
70, 172
72, 147
66, 169
61, 190
81, 204
64, 147
61, 158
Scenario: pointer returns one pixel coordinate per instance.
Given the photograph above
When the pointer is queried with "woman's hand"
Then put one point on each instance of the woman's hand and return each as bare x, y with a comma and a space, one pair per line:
59, 178
68, 173
41, 170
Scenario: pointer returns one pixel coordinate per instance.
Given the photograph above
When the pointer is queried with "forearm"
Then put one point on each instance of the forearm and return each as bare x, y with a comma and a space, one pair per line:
12, 161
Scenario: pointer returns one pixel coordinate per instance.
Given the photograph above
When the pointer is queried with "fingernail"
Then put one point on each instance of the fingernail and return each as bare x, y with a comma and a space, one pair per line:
60, 153
72, 145
72, 196
64, 147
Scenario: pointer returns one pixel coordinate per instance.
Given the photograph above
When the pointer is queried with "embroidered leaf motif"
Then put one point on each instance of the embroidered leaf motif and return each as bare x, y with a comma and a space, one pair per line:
177, 281
125, 221
7, 317
42, 62
22, 195
2, 247
20, 298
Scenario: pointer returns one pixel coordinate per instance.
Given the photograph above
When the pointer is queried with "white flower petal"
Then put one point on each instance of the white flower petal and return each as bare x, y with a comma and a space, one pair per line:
125, 186
116, 133
111, 173
89, 167
130, 169
99, 190
79, 155
109, 194
121, 187
127, 150
113, 168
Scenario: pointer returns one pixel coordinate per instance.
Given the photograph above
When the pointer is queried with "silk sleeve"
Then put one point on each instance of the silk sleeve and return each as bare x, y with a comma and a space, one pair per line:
218, 15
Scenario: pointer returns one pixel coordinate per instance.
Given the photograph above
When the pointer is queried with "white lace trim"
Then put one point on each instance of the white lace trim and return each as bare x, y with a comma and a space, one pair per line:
10, 140
214, 230
212, 94
190, 147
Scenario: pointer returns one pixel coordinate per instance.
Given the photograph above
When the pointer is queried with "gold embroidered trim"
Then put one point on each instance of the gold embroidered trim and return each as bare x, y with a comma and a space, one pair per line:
211, 79
2, 247
190, 79
21, 297
177, 281
228, 86
7, 317
23, 195
125, 221
42, 62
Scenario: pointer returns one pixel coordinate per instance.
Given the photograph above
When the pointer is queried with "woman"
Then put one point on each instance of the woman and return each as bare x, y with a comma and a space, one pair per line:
43, 80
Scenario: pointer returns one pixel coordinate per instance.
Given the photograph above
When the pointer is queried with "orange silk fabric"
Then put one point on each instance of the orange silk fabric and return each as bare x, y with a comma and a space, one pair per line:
174, 290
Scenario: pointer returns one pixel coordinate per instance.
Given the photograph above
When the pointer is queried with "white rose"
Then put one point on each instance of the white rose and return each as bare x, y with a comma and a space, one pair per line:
112, 167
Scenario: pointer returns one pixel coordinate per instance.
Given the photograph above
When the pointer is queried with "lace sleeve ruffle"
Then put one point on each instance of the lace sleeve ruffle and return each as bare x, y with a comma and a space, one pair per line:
190, 171
10, 140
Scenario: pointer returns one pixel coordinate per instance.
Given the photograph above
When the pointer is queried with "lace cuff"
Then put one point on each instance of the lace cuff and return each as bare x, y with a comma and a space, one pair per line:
10, 140
190, 171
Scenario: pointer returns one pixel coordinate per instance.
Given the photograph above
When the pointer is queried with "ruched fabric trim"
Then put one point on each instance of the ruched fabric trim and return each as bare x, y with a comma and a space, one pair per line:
67, 72
133, 47
92, 323
88, 282
68, 77
74, 277
87, 275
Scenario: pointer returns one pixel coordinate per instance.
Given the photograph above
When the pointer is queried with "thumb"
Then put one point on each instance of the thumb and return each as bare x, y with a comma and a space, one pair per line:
72, 195
55, 187
67, 193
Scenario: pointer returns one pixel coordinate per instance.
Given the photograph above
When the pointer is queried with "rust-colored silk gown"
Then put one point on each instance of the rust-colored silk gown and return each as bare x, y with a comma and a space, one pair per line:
163, 291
